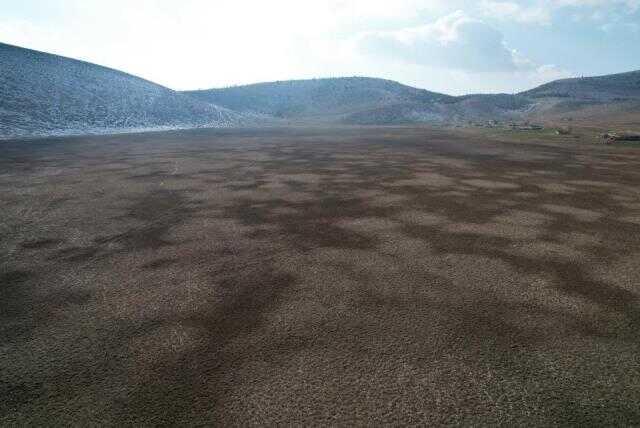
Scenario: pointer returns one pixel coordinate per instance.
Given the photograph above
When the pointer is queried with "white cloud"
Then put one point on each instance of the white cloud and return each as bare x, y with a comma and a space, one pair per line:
203, 43
542, 12
455, 41
632, 5
508, 10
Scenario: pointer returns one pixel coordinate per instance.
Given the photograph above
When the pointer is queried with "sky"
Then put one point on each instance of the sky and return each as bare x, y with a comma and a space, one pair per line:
451, 46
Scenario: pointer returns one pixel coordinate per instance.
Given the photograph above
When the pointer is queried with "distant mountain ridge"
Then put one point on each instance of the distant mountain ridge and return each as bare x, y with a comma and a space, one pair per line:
613, 87
45, 94
360, 100
317, 98
368, 101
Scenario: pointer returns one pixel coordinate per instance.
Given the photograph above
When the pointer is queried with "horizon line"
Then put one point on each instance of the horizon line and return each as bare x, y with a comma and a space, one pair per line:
238, 85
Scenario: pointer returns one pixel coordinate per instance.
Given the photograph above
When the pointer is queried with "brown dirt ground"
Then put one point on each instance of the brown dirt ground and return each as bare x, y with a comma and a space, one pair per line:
312, 276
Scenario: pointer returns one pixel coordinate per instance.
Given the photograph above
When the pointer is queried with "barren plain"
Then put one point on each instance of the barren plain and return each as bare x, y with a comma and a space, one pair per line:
350, 276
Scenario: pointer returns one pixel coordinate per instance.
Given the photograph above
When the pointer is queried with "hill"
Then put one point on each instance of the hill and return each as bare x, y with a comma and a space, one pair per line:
614, 87
602, 101
318, 99
369, 101
361, 100
45, 94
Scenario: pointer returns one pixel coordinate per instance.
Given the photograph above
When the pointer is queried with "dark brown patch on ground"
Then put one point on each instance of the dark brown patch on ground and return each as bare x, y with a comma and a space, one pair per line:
40, 243
351, 276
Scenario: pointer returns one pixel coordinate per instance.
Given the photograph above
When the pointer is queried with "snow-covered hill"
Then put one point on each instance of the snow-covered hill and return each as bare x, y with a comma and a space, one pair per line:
43, 94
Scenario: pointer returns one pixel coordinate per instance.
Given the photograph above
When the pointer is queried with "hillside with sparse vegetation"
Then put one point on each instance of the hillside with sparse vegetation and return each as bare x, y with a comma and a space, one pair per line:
44, 94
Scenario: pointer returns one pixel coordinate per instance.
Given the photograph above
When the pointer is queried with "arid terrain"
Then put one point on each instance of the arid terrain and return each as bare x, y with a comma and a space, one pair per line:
46, 95
350, 276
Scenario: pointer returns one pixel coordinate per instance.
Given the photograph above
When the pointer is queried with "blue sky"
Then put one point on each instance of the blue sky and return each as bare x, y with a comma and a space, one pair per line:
452, 46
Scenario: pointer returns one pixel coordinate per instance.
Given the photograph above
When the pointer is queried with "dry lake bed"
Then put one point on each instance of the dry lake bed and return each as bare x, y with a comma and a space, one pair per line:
318, 277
